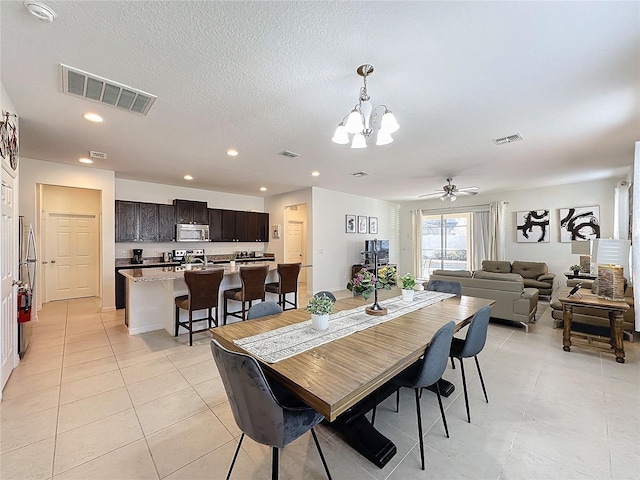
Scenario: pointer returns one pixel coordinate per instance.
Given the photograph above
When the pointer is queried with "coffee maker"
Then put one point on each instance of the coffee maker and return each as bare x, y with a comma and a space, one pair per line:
137, 256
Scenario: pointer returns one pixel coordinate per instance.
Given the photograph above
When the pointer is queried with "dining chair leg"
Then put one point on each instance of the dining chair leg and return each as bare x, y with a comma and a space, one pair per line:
235, 455
177, 320
274, 464
224, 312
324, 462
419, 427
398, 400
453, 365
464, 387
444, 419
481, 379
190, 328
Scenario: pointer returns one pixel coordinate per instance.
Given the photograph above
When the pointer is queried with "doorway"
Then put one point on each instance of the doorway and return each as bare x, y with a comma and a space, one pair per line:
70, 239
295, 239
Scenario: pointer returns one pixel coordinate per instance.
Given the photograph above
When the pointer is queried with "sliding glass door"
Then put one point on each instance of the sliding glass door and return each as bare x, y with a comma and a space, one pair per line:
446, 242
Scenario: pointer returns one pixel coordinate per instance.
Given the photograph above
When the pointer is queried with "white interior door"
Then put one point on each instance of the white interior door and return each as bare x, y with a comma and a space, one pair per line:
71, 256
9, 271
295, 246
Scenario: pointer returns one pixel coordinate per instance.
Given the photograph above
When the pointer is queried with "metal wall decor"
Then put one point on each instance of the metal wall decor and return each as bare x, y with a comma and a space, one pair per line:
579, 223
532, 226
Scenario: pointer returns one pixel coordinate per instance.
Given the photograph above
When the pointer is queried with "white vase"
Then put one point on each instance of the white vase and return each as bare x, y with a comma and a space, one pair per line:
407, 295
188, 266
320, 322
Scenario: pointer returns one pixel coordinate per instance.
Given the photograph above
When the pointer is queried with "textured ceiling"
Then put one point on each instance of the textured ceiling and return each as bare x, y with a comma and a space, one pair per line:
263, 77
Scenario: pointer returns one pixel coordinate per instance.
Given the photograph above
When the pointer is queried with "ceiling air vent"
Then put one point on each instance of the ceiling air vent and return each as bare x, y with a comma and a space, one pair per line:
98, 89
287, 153
360, 174
509, 139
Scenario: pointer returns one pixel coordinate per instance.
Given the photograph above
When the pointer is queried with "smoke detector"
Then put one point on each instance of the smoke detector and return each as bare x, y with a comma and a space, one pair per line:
41, 11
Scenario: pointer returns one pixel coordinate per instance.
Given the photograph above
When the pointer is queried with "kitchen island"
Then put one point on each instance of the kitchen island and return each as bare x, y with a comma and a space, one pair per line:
151, 292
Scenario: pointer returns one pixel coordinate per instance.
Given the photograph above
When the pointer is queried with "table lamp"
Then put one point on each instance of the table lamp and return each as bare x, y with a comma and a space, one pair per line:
582, 248
610, 254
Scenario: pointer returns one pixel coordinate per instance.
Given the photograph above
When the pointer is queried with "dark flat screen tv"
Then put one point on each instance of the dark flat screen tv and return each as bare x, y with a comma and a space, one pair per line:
383, 245
383, 252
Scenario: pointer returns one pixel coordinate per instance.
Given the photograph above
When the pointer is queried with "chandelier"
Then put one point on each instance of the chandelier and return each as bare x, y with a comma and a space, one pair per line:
362, 120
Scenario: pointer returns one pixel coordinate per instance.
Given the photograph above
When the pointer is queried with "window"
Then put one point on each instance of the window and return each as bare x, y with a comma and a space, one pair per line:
446, 242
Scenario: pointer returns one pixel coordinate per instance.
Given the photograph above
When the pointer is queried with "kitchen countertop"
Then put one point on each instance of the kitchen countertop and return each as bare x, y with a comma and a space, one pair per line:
211, 259
176, 272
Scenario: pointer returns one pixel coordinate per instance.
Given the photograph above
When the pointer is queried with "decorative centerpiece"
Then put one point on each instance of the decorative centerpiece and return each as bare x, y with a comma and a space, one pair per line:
320, 307
366, 282
408, 282
575, 269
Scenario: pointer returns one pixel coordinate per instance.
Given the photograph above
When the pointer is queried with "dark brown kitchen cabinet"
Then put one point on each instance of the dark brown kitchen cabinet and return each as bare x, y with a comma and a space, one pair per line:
189, 211
166, 223
148, 222
126, 221
238, 226
263, 227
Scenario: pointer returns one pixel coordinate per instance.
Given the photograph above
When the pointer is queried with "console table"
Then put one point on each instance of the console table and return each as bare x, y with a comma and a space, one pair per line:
615, 309
582, 276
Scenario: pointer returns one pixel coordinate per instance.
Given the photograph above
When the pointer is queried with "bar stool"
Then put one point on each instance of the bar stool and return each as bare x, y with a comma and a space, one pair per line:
252, 279
204, 288
287, 283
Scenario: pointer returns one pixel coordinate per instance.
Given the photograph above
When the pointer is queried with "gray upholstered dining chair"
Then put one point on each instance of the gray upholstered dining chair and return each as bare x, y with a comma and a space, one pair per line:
445, 286
471, 346
328, 294
424, 373
263, 409
263, 309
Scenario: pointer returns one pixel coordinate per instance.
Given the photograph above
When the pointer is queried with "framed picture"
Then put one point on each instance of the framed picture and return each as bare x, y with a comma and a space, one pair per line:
532, 226
579, 223
362, 224
350, 224
373, 225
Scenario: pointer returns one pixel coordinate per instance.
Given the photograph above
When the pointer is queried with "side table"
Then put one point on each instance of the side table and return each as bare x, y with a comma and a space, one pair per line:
615, 309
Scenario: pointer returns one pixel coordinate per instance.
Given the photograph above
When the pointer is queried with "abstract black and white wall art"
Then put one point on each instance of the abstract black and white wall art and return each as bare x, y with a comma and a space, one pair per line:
579, 223
532, 226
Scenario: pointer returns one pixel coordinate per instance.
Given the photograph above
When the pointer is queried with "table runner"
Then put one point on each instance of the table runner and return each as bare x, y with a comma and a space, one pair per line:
290, 340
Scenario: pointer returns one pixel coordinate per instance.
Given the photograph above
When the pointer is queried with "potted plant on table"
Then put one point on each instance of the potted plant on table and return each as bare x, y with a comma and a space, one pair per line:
320, 307
408, 281
364, 283
575, 269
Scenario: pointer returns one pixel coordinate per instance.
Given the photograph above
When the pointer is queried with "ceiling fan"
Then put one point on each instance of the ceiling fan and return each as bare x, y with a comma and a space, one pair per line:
451, 192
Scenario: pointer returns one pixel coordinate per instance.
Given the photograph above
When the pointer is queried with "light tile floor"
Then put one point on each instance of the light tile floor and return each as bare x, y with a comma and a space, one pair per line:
89, 401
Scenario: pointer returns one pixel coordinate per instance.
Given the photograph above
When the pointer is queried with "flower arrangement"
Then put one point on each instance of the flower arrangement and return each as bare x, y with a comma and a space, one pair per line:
387, 277
408, 281
365, 282
574, 268
320, 305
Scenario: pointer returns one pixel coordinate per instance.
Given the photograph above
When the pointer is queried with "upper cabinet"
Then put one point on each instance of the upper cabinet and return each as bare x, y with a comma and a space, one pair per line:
238, 226
148, 230
189, 211
166, 223
126, 221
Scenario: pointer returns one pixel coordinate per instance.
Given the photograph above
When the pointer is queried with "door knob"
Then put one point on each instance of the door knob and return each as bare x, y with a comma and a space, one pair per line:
53, 261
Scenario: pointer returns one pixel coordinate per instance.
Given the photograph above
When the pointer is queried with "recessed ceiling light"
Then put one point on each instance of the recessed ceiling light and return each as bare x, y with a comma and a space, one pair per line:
93, 117
40, 11
232, 152
315, 173
85, 160
263, 189
188, 177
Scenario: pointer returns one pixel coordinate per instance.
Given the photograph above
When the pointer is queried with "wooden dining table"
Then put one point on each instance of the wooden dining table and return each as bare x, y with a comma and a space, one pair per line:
334, 377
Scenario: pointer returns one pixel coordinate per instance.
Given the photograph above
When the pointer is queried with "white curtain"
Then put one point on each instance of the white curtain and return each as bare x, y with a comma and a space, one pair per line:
416, 242
497, 230
481, 242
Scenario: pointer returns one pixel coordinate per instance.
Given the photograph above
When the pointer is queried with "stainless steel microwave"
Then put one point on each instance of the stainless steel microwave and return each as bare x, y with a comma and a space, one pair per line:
186, 232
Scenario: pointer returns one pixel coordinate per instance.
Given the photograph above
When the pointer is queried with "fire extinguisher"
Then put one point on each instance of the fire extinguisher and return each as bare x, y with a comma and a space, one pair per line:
24, 305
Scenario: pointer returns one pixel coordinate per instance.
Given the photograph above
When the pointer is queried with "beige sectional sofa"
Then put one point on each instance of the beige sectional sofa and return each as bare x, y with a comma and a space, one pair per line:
514, 301
534, 274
